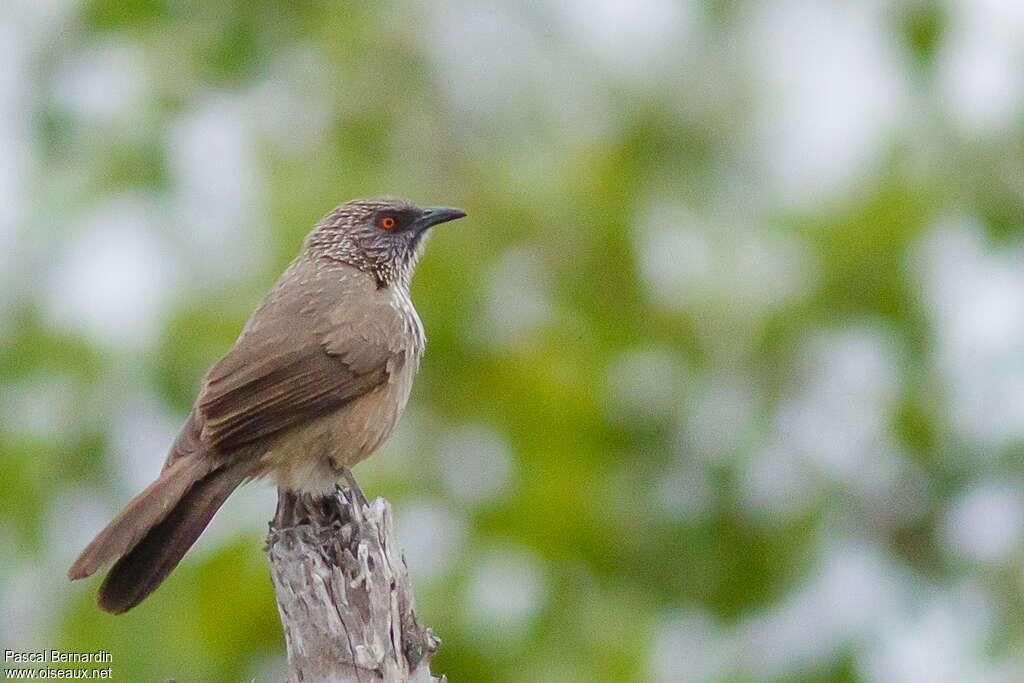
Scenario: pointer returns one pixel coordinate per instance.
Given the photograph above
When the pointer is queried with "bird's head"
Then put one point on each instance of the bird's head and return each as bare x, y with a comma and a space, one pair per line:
383, 236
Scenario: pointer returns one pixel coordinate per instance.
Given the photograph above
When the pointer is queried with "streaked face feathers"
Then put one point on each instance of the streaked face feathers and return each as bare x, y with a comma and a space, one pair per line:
383, 236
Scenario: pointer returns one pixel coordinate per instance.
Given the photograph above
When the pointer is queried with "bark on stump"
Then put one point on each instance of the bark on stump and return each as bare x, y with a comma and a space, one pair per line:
343, 592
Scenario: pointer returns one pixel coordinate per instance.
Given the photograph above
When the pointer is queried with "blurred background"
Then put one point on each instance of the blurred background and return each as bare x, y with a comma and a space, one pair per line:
725, 370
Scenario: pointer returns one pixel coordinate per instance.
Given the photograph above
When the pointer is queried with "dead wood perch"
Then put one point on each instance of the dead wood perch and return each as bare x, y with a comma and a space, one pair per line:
343, 592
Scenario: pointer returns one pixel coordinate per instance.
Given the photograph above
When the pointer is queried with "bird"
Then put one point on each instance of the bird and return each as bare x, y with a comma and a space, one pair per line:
314, 384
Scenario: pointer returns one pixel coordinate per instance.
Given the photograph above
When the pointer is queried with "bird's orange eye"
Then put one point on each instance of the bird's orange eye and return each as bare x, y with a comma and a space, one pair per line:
387, 222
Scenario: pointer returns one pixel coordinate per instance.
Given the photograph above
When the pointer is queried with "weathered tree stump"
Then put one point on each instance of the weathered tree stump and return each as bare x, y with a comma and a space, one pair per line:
343, 592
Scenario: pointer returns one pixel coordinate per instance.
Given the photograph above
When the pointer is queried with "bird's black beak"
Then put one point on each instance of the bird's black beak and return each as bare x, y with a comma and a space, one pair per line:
433, 215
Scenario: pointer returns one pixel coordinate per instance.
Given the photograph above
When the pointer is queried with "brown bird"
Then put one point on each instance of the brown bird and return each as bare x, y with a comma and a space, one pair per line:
314, 384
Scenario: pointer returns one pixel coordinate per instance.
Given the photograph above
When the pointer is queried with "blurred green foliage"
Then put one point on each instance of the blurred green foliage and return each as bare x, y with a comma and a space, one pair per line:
586, 485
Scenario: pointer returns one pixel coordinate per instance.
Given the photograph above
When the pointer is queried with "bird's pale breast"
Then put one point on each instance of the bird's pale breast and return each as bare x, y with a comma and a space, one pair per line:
307, 457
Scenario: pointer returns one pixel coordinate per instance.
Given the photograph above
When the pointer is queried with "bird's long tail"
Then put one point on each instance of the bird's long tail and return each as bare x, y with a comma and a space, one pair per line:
151, 535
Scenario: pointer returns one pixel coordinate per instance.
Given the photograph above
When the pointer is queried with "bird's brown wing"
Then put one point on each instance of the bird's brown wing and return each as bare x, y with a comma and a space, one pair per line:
285, 391
290, 370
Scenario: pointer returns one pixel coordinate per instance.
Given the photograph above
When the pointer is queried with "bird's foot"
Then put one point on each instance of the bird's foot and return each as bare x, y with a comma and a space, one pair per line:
353, 486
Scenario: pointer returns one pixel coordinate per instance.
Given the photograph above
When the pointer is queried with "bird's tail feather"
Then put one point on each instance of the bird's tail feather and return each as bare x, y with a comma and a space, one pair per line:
138, 573
151, 535
139, 516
